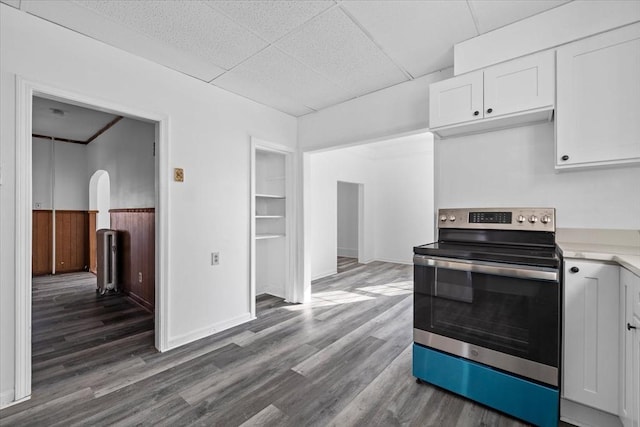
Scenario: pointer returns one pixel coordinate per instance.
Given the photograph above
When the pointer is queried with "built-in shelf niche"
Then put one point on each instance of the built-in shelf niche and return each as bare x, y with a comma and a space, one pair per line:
270, 206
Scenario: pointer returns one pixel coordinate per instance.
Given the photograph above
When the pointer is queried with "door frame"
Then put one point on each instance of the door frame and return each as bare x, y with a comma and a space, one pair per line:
290, 218
25, 90
360, 194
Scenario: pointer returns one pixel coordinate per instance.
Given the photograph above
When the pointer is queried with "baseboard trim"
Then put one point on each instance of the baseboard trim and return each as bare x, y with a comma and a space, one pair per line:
325, 274
347, 252
585, 416
140, 301
174, 342
7, 399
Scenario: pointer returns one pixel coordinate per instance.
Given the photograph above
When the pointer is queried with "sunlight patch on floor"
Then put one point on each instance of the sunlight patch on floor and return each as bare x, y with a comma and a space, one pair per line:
390, 289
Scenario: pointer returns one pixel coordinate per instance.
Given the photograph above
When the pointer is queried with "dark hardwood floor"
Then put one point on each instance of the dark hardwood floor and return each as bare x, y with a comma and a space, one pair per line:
342, 360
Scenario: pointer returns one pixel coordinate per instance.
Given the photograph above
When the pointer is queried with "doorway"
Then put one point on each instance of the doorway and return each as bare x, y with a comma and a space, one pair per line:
349, 217
395, 179
25, 203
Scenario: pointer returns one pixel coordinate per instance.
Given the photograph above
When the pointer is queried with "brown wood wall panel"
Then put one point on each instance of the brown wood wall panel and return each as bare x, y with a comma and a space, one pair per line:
136, 239
72, 241
93, 255
42, 242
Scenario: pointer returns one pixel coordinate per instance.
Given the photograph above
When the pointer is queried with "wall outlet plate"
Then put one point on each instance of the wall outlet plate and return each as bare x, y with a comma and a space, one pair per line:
178, 175
215, 258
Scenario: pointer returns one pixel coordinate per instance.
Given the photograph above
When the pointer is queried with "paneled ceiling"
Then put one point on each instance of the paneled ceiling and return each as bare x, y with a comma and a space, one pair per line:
295, 56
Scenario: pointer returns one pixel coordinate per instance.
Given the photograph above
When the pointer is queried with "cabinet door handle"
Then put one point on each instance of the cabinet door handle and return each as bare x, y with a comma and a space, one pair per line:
490, 110
630, 327
574, 269
475, 113
565, 158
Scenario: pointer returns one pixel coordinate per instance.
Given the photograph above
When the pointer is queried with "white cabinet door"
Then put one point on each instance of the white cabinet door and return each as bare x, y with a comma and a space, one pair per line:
455, 100
598, 100
520, 85
628, 285
591, 334
635, 408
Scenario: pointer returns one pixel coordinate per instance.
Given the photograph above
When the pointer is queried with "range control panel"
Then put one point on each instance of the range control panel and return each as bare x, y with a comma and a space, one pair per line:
534, 219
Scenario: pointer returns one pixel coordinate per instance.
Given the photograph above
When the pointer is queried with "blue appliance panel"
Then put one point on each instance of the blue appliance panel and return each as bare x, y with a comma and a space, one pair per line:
522, 399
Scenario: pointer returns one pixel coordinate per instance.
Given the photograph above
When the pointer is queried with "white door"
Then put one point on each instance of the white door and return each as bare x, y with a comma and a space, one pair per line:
591, 334
455, 100
598, 103
520, 85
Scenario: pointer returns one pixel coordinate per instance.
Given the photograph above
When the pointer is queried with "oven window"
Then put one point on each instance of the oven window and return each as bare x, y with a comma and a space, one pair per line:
511, 315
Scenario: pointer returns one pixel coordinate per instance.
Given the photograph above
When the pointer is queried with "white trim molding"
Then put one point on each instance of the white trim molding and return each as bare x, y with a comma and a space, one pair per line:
24, 96
291, 294
25, 90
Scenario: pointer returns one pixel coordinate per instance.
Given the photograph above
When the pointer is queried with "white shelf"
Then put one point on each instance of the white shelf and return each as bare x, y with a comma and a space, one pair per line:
268, 236
269, 216
269, 196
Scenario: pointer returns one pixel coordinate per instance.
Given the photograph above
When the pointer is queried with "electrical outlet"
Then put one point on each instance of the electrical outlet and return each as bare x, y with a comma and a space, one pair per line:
140, 277
215, 258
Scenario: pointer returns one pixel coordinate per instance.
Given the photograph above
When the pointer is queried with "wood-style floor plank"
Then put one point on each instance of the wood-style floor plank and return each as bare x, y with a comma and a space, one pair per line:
343, 360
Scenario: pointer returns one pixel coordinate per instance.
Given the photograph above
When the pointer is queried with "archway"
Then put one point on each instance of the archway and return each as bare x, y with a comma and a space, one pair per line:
100, 198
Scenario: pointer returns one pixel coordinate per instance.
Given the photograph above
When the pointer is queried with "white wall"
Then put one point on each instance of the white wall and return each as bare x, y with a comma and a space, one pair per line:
42, 173
326, 170
125, 151
380, 115
515, 167
397, 178
405, 202
71, 185
347, 211
209, 136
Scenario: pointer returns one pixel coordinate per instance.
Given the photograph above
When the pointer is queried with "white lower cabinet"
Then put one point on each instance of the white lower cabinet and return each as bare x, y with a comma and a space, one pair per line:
591, 334
629, 405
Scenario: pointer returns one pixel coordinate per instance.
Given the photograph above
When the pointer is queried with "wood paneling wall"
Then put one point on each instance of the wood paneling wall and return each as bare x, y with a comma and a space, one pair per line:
72, 241
42, 242
93, 255
136, 240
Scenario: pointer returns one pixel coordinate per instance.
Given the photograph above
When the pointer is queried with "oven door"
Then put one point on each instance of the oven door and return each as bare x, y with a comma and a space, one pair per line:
505, 316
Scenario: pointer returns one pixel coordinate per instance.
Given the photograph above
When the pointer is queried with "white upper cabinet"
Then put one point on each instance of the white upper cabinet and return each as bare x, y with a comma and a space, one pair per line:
521, 85
516, 92
598, 100
456, 100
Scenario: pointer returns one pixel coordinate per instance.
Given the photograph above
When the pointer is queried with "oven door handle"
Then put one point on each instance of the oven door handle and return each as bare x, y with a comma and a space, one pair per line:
507, 270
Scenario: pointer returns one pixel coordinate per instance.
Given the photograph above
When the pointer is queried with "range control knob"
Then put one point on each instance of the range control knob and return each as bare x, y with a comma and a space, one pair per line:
443, 218
521, 219
533, 219
545, 219
452, 218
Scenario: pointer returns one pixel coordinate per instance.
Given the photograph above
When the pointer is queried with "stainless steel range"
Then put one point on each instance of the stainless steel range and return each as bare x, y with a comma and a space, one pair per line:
487, 301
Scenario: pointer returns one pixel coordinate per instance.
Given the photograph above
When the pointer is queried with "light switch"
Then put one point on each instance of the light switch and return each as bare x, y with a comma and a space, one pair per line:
178, 175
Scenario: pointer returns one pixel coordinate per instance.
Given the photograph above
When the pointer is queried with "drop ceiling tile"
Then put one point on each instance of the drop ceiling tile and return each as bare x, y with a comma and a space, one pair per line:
334, 46
62, 120
92, 24
14, 3
418, 35
274, 78
188, 25
491, 14
271, 19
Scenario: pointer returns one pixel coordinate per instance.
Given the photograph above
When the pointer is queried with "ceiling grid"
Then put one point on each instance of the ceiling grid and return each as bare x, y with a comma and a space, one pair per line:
298, 56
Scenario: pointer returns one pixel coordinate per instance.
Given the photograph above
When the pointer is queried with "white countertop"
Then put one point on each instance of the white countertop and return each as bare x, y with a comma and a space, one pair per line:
619, 246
